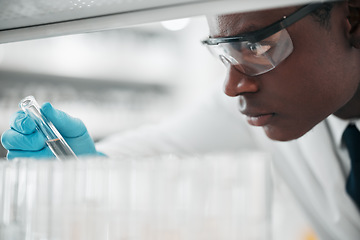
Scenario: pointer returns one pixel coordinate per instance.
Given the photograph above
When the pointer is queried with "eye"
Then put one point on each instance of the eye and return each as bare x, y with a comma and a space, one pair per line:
258, 49
252, 46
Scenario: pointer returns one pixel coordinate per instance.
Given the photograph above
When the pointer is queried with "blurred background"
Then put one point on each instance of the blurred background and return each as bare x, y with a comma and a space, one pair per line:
119, 78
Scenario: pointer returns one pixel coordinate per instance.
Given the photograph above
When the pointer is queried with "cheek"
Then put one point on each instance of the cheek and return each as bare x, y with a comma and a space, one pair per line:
322, 60
319, 70
315, 81
305, 93
323, 83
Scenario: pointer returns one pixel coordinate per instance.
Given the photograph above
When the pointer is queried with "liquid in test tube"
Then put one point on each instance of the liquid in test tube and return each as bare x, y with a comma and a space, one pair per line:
54, 140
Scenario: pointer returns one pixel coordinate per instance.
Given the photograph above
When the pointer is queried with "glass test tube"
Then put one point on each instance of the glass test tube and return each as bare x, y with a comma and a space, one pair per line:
54, 140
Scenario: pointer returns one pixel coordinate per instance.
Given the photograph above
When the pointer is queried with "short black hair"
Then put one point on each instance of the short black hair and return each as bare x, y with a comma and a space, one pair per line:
322, 15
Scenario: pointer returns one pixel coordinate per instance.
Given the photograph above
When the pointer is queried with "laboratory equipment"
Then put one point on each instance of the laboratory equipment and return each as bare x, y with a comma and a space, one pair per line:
54, 140
208, 197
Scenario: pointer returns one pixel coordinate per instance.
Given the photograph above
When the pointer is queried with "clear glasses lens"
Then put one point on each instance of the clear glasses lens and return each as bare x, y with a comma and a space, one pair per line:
257, 58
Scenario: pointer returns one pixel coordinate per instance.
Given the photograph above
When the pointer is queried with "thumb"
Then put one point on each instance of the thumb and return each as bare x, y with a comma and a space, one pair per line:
68, 126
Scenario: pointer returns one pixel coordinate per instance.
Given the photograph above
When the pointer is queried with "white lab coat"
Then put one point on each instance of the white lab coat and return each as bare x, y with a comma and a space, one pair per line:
310, 165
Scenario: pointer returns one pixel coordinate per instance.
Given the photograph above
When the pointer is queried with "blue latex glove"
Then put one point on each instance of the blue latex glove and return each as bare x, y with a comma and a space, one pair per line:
24, 140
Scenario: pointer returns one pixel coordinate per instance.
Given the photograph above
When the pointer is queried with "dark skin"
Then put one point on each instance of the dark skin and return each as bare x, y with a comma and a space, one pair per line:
321, 77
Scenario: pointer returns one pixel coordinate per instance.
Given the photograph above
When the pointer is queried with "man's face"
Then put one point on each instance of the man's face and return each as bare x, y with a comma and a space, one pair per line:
319, 78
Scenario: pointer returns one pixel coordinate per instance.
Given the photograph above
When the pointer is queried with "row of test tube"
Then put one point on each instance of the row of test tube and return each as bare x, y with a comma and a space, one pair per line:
209, 197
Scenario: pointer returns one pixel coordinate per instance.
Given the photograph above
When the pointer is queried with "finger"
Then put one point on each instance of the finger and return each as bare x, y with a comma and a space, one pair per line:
21, 123
84, 145
13, 140
42, 154
68, 126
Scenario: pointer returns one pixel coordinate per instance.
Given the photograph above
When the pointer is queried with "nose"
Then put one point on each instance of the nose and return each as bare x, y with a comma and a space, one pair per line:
236, 83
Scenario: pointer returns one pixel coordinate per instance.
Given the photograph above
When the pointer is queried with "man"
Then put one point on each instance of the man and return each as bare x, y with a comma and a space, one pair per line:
294, 72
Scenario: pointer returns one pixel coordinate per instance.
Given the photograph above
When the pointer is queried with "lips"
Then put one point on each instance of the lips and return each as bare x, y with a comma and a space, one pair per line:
256, 111
259, 119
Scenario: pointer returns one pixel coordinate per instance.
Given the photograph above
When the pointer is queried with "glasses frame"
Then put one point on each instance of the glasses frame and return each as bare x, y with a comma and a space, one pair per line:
261, 34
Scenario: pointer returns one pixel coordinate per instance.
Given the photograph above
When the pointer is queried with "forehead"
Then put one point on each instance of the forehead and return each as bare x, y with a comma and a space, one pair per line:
234, 24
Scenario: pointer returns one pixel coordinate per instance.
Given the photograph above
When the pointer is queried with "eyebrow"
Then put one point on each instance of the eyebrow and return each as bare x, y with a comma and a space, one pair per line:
244, 31
248, 29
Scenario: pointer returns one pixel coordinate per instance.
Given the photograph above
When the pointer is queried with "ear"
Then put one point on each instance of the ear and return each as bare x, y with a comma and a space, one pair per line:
354, 22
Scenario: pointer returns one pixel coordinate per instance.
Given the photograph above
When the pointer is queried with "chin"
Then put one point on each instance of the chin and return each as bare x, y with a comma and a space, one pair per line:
282, 135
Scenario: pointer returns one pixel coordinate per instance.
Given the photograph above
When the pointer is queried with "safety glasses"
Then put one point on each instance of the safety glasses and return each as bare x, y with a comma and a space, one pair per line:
260, 51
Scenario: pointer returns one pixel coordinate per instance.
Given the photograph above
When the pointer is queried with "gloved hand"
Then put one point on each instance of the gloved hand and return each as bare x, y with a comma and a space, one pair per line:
23, 140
